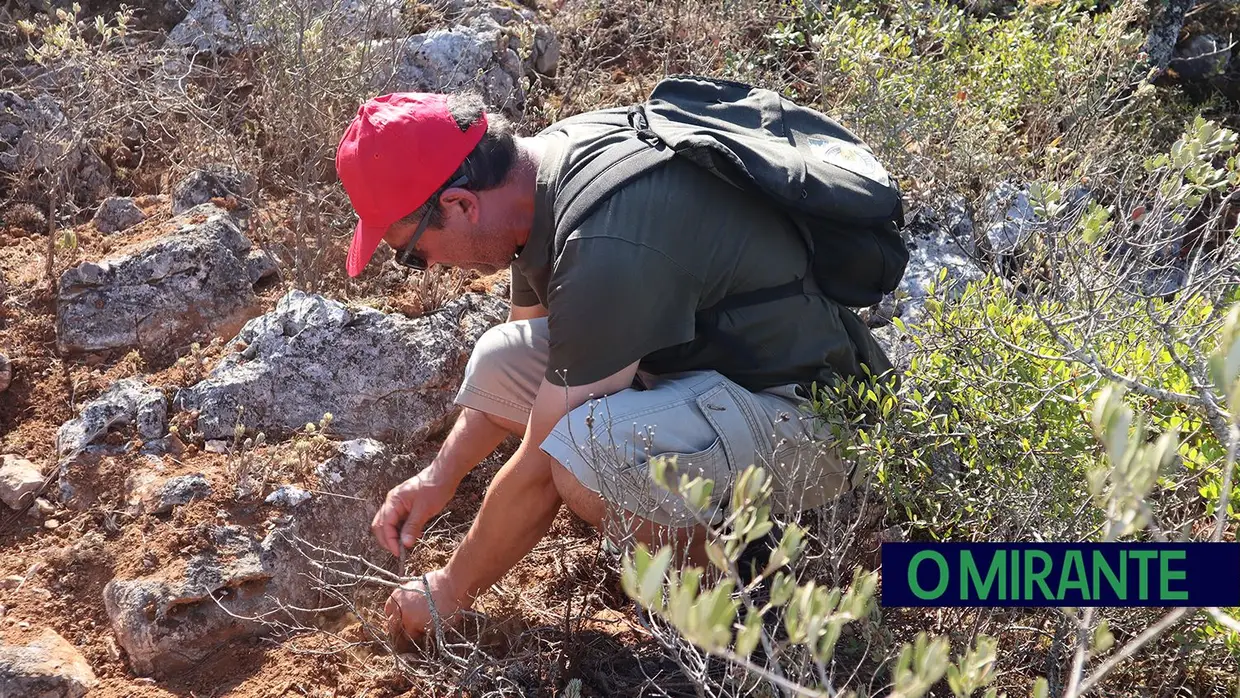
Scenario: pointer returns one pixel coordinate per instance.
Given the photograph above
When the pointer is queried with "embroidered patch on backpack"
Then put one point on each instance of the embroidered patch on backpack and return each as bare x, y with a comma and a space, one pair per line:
848, 156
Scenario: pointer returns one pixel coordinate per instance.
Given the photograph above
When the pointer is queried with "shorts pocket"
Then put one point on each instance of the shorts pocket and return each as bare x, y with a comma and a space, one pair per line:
642, 495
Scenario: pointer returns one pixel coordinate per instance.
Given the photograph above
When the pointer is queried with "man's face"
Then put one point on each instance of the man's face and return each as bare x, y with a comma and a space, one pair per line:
462, 241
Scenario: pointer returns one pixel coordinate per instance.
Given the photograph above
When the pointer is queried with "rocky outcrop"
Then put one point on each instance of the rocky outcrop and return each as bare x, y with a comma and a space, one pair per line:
937, 240
478, 55
46, 667
167, 622
482, 45
1010, 222
247, 583
36, 136
33, 132
151, 494
544, 46
379, 375
228, 26
117, 213
194, 283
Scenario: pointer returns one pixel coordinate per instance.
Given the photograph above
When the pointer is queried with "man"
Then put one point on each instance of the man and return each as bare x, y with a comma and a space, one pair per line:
602, 364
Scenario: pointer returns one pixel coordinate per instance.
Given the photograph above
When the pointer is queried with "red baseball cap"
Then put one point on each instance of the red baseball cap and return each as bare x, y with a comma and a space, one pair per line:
398, 150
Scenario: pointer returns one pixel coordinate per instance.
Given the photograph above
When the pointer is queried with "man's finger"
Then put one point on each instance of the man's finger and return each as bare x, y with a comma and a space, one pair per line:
395, 623
411, 531
384, 528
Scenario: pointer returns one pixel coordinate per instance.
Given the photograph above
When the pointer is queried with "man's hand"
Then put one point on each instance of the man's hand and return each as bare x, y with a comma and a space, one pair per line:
408, 507
408, 610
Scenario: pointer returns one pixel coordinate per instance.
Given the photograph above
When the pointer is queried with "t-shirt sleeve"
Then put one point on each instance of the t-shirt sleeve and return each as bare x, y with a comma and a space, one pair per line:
611, 302
520, 293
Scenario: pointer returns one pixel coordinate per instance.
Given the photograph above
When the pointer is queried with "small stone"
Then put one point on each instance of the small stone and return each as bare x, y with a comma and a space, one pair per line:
12, 581
287, 496
216, 446
46, 665
45, 507
213, 181
162, 496
6, 373
117, 213
51, 524
18, 478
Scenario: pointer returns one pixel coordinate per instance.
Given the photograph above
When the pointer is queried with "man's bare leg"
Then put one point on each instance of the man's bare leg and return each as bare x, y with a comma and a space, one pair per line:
408, 506
594, 510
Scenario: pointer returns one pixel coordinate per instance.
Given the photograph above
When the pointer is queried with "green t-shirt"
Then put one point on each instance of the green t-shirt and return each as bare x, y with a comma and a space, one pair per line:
627, 283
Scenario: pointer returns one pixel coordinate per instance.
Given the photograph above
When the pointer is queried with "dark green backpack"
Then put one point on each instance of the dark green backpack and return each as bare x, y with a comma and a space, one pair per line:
819, 173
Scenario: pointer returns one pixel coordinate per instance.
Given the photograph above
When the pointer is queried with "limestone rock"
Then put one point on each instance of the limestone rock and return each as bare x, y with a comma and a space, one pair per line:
19, 480
1011, 221
117, 213
129, 401
212, 26
352, 457
47, 667
34, 132
933, 248
478, 55
228, 26
518, 21
168, 623
200, 186
936, 241
157, 496
379, 375
288, 496
362, 470
545, 52
36, 135
187, 286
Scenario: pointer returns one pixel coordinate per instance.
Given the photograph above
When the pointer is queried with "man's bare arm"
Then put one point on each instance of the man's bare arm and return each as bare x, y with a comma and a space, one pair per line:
522, 500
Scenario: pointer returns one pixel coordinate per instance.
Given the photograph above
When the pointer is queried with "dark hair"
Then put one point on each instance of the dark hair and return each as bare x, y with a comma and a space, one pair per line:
486, 166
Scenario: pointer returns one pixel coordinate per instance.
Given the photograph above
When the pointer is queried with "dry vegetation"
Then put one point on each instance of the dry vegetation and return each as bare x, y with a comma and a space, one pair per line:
956, 100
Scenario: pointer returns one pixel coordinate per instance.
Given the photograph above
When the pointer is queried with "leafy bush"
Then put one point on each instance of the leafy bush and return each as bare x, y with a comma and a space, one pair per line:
1068, 403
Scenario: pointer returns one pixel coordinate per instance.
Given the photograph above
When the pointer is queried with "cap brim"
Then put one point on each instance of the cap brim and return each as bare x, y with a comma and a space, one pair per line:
366, 239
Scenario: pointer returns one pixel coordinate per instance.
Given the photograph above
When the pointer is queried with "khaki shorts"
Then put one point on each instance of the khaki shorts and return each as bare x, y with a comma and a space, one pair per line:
714, 427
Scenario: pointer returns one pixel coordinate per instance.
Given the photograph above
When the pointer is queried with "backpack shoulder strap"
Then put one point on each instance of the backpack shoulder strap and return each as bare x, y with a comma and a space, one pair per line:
603, 176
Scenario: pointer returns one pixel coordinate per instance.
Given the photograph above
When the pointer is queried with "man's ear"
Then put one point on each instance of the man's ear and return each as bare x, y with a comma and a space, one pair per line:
461, 202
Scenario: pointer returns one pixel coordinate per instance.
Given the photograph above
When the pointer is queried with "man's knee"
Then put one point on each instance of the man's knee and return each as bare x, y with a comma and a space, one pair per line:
505, 369
499, 348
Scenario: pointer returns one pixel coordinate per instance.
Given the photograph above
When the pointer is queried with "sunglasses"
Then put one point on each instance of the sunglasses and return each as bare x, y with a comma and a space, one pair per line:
407, 258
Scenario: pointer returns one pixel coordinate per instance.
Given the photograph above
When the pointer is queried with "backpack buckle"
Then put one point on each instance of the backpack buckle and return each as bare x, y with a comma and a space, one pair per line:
637, 119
